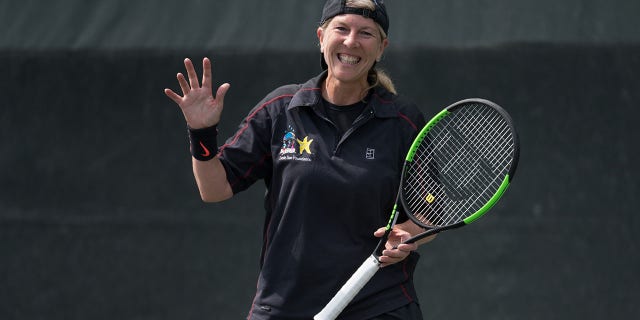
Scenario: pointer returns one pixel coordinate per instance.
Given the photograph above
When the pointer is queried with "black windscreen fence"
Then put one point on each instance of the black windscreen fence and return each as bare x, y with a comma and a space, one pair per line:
100, 217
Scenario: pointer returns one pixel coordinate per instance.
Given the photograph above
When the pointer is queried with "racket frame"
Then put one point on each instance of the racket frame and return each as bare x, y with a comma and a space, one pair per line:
431, 230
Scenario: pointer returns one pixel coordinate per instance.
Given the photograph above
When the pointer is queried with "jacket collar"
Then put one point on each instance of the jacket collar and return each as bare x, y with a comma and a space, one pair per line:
310, 94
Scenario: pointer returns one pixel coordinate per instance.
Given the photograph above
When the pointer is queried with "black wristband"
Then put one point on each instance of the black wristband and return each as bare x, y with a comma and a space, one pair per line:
203, 143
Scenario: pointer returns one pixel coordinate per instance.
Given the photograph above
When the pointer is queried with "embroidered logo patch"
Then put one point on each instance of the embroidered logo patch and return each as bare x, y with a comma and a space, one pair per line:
371, 154
294, 148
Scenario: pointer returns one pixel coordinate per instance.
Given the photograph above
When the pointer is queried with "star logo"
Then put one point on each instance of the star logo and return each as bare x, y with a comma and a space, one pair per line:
305, 145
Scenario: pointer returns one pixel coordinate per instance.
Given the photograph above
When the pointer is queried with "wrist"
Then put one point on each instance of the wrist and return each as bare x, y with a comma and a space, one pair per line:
203, 142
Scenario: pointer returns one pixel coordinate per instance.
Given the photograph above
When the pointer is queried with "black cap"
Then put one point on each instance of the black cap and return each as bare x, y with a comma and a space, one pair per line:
333, 8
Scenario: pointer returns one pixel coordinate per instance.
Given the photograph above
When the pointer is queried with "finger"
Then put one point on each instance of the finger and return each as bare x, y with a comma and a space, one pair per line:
407, 247
387, 260
402, 246
173, 96
184, 85
380, 232
191, 72
395, 253
206, 73
399, 249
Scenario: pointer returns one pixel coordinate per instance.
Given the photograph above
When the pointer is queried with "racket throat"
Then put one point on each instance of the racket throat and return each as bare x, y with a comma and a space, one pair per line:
377, 253
433, 231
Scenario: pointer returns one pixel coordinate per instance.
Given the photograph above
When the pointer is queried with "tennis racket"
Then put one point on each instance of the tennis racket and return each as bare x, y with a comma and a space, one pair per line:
457, 168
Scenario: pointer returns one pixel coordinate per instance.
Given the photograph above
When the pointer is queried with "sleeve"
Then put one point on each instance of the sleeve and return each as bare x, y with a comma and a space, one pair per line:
418, 118
246, 156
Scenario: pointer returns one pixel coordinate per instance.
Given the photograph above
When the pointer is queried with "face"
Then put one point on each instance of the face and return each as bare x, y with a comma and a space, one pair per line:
351, 44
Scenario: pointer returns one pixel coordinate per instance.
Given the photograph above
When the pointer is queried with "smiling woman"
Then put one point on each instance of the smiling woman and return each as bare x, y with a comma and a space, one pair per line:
330, 152
367, 32
350, 45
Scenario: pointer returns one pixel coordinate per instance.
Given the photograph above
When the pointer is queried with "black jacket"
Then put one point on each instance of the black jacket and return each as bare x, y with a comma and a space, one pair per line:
326, 195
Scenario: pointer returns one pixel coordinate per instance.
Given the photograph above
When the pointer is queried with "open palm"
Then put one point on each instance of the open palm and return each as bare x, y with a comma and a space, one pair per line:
199, 107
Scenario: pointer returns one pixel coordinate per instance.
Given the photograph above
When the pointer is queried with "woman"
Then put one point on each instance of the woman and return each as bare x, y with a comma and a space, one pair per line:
330, 152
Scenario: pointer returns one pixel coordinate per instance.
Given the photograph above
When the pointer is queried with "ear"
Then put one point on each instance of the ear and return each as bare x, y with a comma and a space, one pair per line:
320, 34
383, 46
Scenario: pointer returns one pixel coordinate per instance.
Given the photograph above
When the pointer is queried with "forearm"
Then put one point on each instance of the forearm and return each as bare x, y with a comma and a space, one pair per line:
211, 179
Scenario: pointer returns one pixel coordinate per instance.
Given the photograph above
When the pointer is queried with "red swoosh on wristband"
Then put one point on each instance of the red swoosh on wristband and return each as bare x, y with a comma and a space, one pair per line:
206, 151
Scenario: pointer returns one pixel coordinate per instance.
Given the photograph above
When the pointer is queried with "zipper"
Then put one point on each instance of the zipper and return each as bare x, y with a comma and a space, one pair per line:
360, 121
327, 120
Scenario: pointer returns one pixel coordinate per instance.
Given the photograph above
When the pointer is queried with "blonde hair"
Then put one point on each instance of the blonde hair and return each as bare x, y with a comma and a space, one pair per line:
376, 75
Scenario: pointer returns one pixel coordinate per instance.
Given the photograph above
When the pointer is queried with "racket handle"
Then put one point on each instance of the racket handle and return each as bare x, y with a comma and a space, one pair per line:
349, 289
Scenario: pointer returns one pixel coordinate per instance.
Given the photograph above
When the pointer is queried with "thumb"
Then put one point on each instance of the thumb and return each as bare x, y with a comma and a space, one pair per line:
222, 91
380, 232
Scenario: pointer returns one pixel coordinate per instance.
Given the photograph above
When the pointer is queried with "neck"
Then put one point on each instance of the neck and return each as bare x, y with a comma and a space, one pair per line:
344, 94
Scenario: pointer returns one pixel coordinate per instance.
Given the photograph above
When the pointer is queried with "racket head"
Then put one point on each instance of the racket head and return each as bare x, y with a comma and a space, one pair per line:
460, 165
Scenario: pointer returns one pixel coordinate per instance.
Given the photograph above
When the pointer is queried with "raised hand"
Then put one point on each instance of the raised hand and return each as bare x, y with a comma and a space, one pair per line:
199, 107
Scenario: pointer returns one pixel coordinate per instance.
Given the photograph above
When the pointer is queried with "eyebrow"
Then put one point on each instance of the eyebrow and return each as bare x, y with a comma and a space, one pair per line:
368, 28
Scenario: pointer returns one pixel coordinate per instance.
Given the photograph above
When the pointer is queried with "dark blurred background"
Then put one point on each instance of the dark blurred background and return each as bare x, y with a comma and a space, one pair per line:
100, 217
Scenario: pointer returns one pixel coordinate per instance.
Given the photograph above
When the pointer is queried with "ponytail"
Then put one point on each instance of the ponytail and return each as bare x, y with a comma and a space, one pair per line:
380, 77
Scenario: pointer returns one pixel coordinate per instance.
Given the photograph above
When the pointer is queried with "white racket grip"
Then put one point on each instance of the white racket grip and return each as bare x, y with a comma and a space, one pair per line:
349, 289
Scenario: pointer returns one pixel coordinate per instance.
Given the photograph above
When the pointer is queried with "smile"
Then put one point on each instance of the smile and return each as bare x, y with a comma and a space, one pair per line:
347, 59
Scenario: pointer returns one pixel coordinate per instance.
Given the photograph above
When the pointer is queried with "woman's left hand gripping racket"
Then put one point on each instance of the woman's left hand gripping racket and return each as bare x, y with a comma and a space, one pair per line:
457, 168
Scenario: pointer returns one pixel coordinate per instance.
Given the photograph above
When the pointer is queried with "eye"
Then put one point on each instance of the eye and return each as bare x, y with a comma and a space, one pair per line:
367, 33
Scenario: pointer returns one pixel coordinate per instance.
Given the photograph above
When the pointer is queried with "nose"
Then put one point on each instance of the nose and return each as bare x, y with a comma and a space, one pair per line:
351, 40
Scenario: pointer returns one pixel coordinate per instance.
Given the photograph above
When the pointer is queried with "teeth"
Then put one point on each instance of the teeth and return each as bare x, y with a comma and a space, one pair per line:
348, 59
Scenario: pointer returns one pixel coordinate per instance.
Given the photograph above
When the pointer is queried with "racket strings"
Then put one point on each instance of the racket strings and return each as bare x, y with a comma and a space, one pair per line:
459, 166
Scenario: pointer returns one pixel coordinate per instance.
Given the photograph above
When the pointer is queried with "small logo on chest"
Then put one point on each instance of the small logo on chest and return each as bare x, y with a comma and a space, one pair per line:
370, 154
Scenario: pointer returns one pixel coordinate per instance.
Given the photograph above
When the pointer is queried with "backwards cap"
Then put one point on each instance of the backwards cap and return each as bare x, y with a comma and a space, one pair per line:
333, 8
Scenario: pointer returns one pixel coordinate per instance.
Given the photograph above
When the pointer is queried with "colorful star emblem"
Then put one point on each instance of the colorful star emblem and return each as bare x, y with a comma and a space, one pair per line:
305, 145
